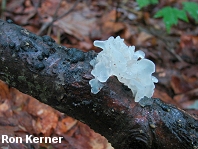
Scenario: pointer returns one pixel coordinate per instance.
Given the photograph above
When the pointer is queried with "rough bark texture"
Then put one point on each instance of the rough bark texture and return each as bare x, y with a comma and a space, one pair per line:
59, 77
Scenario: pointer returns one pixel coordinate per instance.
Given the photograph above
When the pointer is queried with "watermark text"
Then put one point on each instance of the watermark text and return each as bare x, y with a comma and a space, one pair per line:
30, 139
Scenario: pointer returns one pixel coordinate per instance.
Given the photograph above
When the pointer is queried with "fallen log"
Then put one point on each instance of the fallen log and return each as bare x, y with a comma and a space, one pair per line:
59, 76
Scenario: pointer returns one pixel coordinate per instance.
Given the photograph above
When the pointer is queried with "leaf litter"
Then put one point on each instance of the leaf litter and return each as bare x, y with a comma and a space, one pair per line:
77, 24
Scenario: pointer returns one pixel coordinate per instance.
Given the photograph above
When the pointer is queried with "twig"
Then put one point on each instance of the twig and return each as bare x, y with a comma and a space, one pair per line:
161, 36
172, 51
46, 25
57, 8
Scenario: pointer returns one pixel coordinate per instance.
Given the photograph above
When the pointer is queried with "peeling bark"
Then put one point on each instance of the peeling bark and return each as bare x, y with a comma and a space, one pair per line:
59, 77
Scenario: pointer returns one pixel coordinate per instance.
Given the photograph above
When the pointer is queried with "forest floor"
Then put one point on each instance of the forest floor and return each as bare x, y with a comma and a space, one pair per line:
75, 23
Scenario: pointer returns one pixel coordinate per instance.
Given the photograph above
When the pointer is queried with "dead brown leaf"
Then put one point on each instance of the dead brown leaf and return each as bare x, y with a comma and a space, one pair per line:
188, 48
145, 39
109, 25
179, 85
187, 99
46, 119
4, 91
65, 125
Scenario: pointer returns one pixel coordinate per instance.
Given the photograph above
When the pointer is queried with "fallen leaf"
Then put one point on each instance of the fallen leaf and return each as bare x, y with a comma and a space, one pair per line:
145, 39
65, 125
186, 99
4, 91
179, 85
163, 96
76, 25
109, 25
187, 49
47, 118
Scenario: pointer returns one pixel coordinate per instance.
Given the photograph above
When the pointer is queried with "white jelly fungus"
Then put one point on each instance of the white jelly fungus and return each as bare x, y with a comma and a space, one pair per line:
129, 66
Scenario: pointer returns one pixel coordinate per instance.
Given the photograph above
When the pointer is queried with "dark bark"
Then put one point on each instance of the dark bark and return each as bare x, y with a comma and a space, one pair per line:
59, 77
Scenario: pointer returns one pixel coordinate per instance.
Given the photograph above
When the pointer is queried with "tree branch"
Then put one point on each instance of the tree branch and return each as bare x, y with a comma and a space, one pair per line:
59, 77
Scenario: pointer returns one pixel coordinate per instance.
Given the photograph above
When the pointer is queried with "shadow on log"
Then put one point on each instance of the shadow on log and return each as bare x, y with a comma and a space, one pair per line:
59, 77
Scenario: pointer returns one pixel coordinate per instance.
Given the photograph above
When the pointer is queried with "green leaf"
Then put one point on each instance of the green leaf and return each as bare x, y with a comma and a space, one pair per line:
143, 3
192, 9
170, 16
